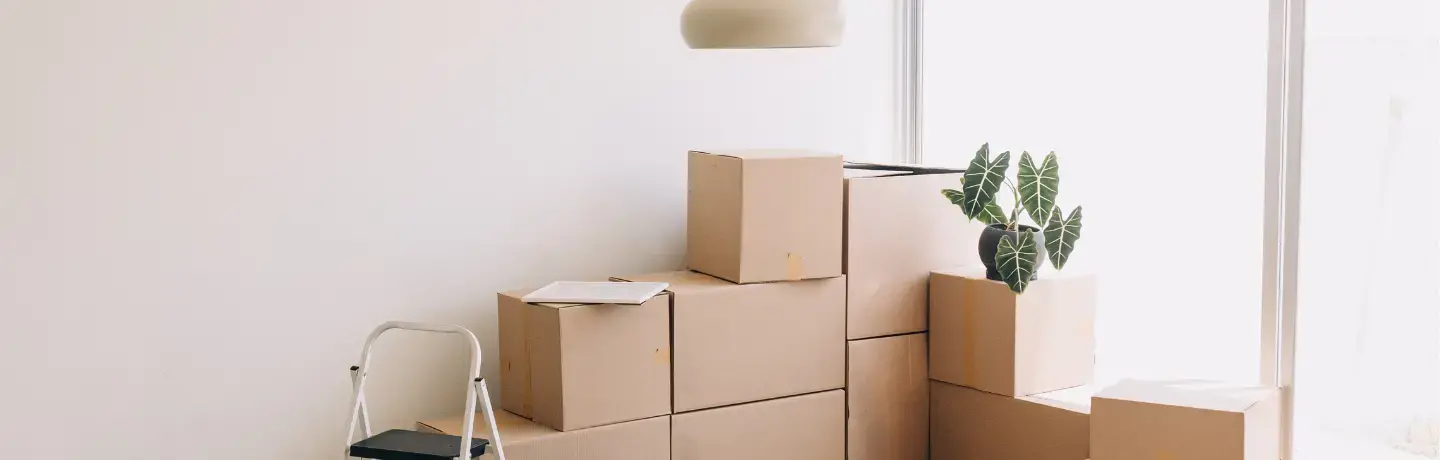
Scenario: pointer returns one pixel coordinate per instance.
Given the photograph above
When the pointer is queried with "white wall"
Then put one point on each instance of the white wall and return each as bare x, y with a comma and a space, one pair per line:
206, 205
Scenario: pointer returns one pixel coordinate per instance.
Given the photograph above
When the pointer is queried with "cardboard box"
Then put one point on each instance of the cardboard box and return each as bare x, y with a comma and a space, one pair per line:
737, 343
647, 439
888, 395
1185, 420
758, 216
969, 424
808, 427
897, 229
572, 366
986, 337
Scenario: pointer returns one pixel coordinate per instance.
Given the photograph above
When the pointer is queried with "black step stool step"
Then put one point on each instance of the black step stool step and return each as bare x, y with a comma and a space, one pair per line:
414, 445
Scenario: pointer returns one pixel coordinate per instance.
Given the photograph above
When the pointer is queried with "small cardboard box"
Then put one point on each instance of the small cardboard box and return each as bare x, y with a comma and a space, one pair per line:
888, 394
808, 427
966, 423
647, 439
1185, 420
986, 337
737, 343
759, 216
898, 228
572, 366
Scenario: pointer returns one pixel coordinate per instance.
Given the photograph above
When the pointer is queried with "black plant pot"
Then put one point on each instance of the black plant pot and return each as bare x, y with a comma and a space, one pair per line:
990, 241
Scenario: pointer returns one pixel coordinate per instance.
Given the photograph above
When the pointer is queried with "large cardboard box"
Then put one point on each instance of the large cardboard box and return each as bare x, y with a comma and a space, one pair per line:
898, 228
758, 216
969, 424
1185, 420
888, 394
986, 337
572, 366
647, 439
808, 427
737, 343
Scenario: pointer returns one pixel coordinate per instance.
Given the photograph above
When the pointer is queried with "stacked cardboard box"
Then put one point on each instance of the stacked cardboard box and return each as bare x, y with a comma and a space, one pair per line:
1185, 420
1010, 371
897, 229
743, 356
809, 325
759, 320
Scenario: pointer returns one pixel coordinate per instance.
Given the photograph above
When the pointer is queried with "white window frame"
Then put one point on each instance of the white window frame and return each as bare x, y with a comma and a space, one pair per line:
1284, 110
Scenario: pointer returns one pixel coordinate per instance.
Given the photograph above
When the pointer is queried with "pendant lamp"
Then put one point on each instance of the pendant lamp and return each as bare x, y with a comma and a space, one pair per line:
749, 24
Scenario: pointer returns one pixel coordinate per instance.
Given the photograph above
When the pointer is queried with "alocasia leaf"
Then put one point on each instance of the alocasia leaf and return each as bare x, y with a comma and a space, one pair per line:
1039, 186
956, 197
1016, 260
1061, 235
993, 213
982, 181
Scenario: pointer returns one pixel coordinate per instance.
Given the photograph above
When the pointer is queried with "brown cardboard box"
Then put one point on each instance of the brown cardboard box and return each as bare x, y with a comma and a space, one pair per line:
897, 229
888, 394
1185, 420
986, 337
647, 439
572, 366
809, 427
737, 343
967, 424
758, 216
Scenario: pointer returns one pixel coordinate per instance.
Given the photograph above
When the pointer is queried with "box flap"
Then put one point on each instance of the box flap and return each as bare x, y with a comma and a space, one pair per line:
767, 154
1199, 394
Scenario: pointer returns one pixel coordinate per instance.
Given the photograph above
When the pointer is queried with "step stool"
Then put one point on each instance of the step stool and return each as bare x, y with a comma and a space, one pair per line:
414, 445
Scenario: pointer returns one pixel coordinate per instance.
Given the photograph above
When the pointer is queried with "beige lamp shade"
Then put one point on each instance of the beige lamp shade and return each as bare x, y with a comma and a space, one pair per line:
712, 24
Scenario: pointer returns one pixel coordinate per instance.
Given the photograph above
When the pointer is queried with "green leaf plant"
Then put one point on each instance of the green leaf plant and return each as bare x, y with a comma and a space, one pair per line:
1035, 190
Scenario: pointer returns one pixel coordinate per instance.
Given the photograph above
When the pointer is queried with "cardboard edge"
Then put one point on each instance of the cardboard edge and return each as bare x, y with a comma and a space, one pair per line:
814, 154
671, 295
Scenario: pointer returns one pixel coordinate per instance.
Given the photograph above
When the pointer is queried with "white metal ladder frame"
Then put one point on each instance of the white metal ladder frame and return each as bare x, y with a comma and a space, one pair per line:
477, 391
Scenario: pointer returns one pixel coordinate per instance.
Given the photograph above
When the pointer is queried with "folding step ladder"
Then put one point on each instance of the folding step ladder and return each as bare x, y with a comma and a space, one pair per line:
414, 445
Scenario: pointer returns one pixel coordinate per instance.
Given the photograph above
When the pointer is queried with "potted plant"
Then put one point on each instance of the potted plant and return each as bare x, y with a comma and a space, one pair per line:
1012, 251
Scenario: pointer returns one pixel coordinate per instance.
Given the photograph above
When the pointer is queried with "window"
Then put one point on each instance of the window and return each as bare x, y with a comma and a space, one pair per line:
1157, 113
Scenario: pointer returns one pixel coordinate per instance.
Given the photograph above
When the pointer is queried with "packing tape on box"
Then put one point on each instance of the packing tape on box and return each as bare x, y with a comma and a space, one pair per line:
794, 266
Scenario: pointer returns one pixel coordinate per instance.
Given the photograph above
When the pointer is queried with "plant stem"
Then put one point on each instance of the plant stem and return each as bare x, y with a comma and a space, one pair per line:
1014, 223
